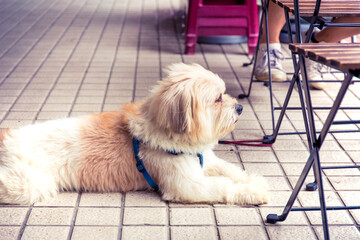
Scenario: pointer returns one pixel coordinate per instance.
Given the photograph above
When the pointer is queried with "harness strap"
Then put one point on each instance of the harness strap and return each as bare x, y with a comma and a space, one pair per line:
199, 155
141, 167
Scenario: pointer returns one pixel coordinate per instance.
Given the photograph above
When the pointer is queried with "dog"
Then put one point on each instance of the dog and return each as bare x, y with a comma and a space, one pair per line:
159, 142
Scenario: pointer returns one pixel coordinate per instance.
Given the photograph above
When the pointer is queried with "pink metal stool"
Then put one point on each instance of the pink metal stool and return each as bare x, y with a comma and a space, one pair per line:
221, 18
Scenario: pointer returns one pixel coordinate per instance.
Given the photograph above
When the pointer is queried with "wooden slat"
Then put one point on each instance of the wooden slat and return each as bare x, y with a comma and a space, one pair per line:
328, 8
338, 55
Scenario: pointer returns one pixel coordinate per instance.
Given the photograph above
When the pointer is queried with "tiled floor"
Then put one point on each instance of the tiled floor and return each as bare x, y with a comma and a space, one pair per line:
67, 58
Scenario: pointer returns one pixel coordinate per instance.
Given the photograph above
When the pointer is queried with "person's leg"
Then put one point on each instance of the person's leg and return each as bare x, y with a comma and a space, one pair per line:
335, 34
276, 20
329, 35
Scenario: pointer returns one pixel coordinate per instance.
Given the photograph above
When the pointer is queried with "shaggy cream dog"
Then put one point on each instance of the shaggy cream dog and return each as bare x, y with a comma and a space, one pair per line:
185, 113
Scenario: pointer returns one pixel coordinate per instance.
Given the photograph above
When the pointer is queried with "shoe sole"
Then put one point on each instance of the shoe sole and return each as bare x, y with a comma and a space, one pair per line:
317, 86
274, 78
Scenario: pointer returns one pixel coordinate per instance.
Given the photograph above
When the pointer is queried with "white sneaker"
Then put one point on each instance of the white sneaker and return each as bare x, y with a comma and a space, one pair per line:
261, 69
313, 70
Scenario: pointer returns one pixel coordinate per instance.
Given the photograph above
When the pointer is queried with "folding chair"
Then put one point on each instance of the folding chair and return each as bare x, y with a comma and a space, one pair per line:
344, 57
307, 8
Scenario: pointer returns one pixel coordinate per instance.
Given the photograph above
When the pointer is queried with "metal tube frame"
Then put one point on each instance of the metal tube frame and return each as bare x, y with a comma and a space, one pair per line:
315, 142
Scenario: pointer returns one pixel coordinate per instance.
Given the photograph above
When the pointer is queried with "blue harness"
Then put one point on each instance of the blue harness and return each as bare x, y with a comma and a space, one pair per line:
141, 167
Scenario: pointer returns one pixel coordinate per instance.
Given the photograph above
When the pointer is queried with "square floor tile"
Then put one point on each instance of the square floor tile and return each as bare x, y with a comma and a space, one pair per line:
63, 199
195, 233
12, 215
100, 199
50, 216
145, 216
143, 199
98, 216
95, 233
290, 232
9, 233
145, 232
45, 232
339, 232
191, 216
242, 232
237, 216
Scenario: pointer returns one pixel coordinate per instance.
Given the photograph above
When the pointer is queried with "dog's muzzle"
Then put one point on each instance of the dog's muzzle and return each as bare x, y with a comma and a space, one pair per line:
238, 109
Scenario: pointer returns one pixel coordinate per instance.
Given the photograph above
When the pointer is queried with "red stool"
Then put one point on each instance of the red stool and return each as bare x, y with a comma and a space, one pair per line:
221, 18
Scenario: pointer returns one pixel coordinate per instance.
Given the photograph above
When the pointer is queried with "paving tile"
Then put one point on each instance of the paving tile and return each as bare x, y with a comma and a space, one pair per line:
340, 232
350, 198
52, 115
101, 199
242, 232
278, 183
228, 156
334, 217
237, 216
51, 216
21, 115
289, 144
264, 169
292, 156
63, 199
9, 233
191, 216
145, 232
15, 123
257, 156
143, 199
326, 184
295, 169
98, 216
94, 233
311, 199
87, 108
196, 233
345, 183
145, 216
56, 107
12, 215
45, 232
290, 232
279, 199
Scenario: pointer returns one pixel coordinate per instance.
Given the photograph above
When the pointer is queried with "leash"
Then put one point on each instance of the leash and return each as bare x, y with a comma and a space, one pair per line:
253, 143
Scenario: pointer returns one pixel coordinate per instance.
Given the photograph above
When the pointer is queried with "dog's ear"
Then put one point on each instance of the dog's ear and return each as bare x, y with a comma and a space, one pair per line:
181, 112
172, 106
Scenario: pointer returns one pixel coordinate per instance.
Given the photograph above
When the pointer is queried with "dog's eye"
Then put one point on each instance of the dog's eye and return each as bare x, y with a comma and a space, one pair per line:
219, 99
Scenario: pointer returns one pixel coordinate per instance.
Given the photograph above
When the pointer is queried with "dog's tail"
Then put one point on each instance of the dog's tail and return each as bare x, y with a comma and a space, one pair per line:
24, 184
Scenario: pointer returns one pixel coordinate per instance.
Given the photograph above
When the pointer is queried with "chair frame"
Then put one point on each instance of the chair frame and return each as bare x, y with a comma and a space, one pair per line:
315, 141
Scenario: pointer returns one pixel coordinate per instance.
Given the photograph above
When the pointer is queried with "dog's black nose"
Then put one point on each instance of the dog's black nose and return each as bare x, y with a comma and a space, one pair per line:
239, 109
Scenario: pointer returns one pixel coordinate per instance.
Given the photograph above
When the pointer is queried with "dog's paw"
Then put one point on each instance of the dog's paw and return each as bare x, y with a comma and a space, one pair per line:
252, 193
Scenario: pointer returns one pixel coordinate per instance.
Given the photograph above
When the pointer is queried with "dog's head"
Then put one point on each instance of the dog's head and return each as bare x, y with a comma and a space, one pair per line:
192, 101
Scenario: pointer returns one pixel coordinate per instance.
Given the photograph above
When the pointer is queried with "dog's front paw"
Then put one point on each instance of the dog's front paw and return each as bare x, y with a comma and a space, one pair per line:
253, 193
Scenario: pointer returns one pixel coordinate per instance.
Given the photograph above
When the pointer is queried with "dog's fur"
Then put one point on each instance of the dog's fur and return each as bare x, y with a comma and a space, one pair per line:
184, 112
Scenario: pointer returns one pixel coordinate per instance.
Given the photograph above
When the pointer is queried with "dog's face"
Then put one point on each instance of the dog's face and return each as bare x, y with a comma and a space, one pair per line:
192, 101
